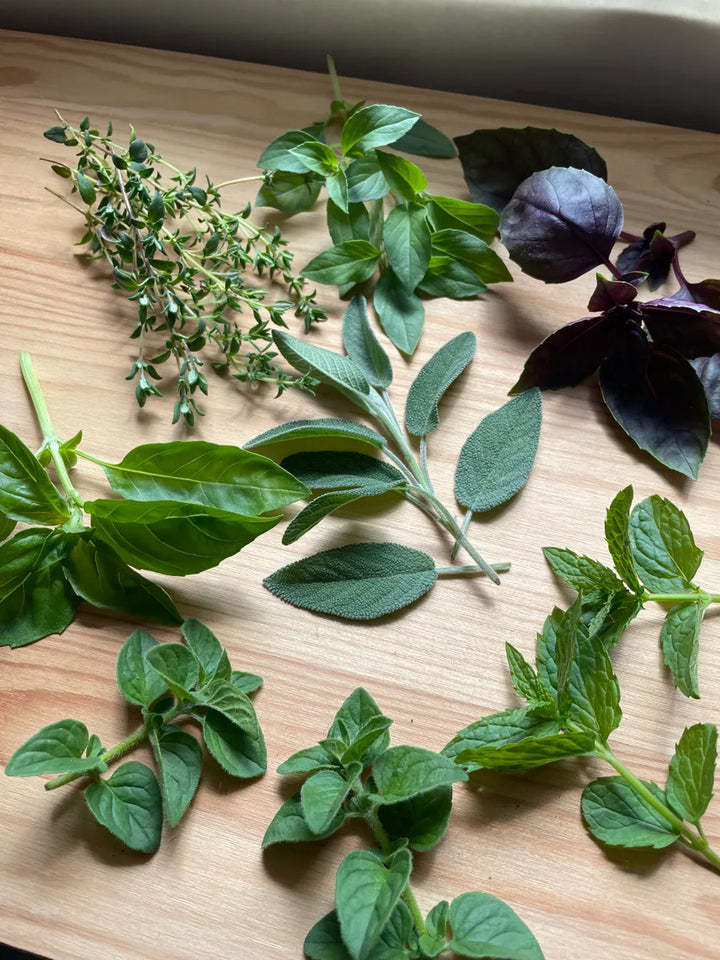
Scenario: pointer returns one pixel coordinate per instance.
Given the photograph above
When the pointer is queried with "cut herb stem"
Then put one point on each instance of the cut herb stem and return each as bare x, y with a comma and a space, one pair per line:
502, 567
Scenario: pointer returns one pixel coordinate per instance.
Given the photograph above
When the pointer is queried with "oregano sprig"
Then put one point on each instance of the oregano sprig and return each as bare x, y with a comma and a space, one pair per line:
404, 795
170, 683
364, 581
184, 262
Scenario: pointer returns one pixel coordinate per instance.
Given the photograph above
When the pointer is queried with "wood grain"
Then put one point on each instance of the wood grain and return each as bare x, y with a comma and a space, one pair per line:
67, 889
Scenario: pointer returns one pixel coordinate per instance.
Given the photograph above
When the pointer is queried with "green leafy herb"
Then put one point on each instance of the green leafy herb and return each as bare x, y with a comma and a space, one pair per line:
170, 682
404, 794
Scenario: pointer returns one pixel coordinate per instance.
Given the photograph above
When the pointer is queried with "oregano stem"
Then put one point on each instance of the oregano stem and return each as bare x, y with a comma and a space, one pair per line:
373, 821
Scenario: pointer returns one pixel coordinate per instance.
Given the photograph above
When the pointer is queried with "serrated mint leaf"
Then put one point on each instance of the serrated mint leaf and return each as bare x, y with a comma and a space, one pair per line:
290, 193
323, 794
680, 641
615, 814
289, 826
483, 926
330, 427
689, 788
340, 470
406, 238
241, 752
500, 729
349, 262
566, 630
363, 347
366, 893
497, 457
433, 380
404, 772
307, 761
592, 694
525, 680
663, 546
279, 154
401, 313
582, 573
421, 820
329, 368
472, 252
57, 748
617, 535
179, 760
129, 805
26, 492
177, 666
361, 581
529, 753
138, 682
326, 503
375, 126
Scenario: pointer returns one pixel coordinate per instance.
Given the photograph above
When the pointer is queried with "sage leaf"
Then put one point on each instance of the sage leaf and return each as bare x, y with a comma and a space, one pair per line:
501, 729
400, 312
581, 573
352, 223
431, 383
664, 550
528, 753
129, 805
138, 682
375, 126
360, 581
363, 347
26, 493
340, 469
617, 815
194, 471
279, 155
365, 179
173, 538
471, 252
561, 223
98, 575
57, 748
323, 794
179, 760
329, 368
448, 213
405, 179
289, 826
327, 503
177, 666
321, 427
680, 641
349, 262
483, 926
617, 535
241, 753
689, 787
406, 238
426, 141
204, 646
366, 893
497, 457
404, 772
422, 819
290, 193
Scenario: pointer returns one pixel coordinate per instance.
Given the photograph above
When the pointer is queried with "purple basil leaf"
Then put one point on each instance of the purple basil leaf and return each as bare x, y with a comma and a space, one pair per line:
652, 254
561, 223
611, 293
706, 292
690, 328
568, 355
708, 369
658, 400
495, 162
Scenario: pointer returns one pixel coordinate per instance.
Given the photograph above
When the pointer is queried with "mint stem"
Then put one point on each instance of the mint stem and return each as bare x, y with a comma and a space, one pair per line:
683, 597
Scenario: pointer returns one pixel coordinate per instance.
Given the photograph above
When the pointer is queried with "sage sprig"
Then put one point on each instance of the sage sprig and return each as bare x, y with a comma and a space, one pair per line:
364, 581
656, 559
572, 707
404, 795
170, 683
182, 507
185, 263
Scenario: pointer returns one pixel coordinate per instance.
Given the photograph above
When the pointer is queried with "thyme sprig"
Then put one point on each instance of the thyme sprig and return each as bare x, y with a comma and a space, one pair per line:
185, 263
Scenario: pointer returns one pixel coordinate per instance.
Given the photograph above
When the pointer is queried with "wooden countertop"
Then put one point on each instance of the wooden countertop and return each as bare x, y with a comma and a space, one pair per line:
67, 889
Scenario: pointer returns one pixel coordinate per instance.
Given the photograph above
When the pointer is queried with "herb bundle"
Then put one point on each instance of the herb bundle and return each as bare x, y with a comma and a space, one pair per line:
170, 682
658, 369
404, 794
185, 262
364, 581
182, 507
425, 245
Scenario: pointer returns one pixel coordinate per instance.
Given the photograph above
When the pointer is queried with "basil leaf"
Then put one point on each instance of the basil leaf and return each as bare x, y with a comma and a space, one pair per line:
138, 682
422, 819
406, 237
323, 794
472, 253
204, 646
426, 141
401, 773
173, 538
242, 754
6, 527
340, 469
452, 214
98, 575
400, 312
615, 814
366, 893
708, 371
501, 729
617, 535
663, 546
327, 503
26, 492
321, 427
343, 224
581, 573
362, 346
315, 156
349, 262
129, 805
689, 788
337, 188
179, 760
375, 126
365, 179
483, 926
448, 278
497, 457
360, 581
289, 826
680, 641
57, 748
177, 666
561, 223
404, 178
279, 154
289, 192
326, 366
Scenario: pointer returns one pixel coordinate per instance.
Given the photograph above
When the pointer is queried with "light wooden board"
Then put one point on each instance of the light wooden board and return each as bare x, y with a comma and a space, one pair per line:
67, 889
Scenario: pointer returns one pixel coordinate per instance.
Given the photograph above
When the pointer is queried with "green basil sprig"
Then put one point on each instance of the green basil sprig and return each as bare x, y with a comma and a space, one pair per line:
182, 507
404, 794
426, 246
363, 581
169, 682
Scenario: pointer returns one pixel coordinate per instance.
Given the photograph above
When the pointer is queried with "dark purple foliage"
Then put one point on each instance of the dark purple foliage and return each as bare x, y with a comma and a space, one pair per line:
708, 369
652, 254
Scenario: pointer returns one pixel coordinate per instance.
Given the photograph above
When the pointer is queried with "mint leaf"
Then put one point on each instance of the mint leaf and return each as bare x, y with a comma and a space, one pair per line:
525, 680
592, 692
129, 805
500, 729
289, 826
361, 581
362, 346
617, 535
582, 573
320, 427
433, 380
615, 814
323, 794
483, 926
138, 682
349, 262
179, 760
57, 748
400, 312
422, 819
680, 641
26, 492
664, 550
375, 126
404, 772
689, 788
406, 238
528, 753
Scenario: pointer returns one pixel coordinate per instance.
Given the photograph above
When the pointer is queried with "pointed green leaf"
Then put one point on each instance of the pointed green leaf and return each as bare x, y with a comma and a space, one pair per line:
689, 787
452, 214
57, 748
664, 550
365, 179
582, 573
26, 492
204, 645
179, 760
592, 690
617, 535
340, 469
6, 527
129, 805
290, 192
448, 278
315, 156
404, 772
615, 814
86, 188
321, 427
406, 237
351, 261
428, 388
351, 722
400, 312
421, 820
426, 141
680, 641
529, 753
337, 188
363, 347
241, 753
289, 826
369, 741
177, 666
471, 252
323, 794
279, 154
483, 926
404, 178
525, 680
224, 697
350, 224
330, 368
245, 682
375, 126
138, 682
500, 729
326, 503
307, 761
